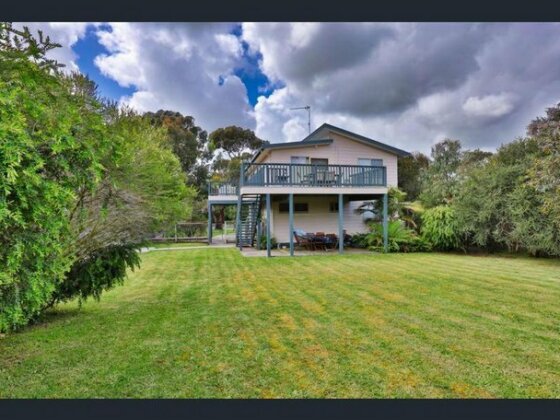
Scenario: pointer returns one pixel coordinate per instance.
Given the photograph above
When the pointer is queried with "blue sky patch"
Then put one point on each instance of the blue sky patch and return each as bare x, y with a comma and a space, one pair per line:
87, 48
255, 81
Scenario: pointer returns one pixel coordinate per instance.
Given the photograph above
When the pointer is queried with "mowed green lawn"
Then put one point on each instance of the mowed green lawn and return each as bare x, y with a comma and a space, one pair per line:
210, 323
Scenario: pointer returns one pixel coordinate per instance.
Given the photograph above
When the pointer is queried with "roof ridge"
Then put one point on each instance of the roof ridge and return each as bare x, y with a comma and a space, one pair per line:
360, 137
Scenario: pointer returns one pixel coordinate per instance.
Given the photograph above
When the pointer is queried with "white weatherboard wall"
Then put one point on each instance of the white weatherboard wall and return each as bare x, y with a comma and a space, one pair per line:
318, 219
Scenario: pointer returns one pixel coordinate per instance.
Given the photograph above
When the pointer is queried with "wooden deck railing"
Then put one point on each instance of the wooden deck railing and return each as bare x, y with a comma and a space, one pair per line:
305, 175
223, 188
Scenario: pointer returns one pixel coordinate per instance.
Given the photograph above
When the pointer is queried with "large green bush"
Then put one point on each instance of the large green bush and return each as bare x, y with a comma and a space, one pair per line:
499, 207
82, 184
50, 141
440, 228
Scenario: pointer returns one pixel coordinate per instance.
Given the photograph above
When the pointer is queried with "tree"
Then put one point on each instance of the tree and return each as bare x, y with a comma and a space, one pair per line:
440, 180
409, 171
188, 141
81, 183
235, 141
142, 192
545, 172
238, 144
51, 138
497, 205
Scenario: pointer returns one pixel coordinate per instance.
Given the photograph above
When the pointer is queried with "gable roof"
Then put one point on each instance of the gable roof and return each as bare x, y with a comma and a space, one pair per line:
291, 145
357, 137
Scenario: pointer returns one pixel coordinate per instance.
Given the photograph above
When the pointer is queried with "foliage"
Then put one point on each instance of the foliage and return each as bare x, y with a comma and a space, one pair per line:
101, 270
235, 141
359, 240
273, 241
409, 174
399, 208
544, 173
238, 144
188, 141
440, 180
499, 206
142, 192
51, 137
400, 238
79, 179
440, 228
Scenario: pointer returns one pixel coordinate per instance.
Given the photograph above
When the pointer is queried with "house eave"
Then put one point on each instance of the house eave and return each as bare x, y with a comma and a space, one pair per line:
357, 137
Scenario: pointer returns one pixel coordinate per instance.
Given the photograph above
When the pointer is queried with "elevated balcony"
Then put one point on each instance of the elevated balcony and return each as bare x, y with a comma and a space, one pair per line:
223, 192
282, 178
291, 176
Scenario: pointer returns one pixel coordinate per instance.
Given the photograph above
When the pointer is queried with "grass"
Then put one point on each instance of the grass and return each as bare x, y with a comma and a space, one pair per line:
210, 323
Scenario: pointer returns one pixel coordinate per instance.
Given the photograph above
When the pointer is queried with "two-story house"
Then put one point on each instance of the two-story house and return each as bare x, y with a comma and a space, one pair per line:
315, 184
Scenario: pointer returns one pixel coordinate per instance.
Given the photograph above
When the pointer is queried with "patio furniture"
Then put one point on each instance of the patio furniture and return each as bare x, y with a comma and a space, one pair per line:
332, 240
304, 239
320, 240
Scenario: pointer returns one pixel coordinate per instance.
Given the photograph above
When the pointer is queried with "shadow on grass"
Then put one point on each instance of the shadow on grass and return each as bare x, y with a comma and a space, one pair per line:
55, 316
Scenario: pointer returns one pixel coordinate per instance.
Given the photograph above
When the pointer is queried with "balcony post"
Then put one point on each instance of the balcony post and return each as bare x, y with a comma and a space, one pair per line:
268, 242
209, 223
340, 223
291, 210
238, 222
241, 174
290, 176
385, 223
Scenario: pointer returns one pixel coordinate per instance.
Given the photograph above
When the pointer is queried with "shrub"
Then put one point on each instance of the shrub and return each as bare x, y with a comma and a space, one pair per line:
273, 242
400, 238
359, 240
51, 140
440, 228
100, 271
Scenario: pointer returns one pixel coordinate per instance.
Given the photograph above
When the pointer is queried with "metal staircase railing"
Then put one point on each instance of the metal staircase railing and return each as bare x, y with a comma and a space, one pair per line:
248, 216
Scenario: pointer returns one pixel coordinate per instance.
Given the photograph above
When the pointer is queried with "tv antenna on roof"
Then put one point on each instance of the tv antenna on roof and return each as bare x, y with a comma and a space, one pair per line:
308, 115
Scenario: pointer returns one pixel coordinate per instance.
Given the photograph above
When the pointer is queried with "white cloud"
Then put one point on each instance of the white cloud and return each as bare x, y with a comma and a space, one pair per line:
179, 67
408, 84
405, 84
489, 106
64, 33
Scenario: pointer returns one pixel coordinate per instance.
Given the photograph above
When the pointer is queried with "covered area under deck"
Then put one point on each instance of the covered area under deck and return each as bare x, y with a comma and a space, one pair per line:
284, 214
211, 204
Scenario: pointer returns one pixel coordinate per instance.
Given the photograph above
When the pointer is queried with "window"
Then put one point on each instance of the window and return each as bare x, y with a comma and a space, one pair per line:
284, 207
333, 207
370, 162
321, 162
299, 159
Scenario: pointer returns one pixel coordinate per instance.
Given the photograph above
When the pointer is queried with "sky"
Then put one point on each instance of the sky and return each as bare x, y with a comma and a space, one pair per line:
409, 85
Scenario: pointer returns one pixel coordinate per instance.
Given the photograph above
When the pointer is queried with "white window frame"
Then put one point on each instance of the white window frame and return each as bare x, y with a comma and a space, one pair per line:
371, 161
292, 158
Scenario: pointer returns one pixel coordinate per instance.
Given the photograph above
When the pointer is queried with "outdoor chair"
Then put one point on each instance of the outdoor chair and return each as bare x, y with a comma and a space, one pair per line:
320, 240
332, 240
304, 239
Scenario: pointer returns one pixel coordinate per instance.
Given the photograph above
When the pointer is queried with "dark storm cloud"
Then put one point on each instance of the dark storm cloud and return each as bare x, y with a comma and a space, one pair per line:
414, 83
